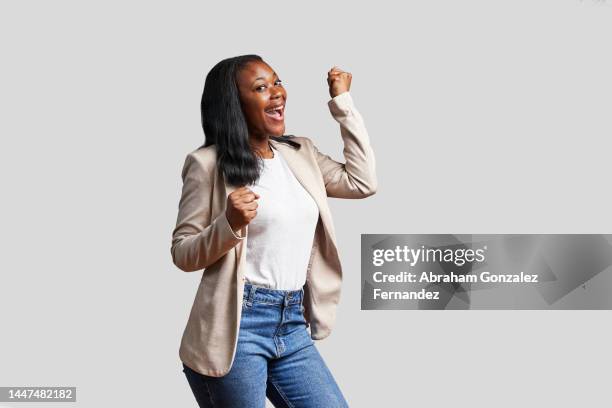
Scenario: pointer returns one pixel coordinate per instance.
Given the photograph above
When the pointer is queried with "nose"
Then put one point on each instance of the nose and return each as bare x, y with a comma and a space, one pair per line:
277, 93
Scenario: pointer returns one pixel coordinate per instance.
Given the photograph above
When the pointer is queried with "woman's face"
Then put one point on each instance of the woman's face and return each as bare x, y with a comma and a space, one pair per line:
263, 99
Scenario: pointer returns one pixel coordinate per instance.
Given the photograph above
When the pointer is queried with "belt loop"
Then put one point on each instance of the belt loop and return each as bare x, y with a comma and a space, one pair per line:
251, 295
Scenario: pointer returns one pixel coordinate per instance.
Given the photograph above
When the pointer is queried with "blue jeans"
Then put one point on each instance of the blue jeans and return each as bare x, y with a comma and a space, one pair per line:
275, 358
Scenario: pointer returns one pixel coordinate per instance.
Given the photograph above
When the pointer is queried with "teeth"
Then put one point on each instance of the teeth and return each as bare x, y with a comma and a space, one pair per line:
278, 109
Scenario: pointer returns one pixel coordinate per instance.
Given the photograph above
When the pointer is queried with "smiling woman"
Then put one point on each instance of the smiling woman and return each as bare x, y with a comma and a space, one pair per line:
263, 100
254, 215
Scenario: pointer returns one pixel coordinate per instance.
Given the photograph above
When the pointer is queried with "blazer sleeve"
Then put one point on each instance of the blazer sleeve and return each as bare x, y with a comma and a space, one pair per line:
357, 177
198, 241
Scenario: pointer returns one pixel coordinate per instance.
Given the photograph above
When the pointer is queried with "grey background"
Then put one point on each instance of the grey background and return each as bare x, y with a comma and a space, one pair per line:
485, 117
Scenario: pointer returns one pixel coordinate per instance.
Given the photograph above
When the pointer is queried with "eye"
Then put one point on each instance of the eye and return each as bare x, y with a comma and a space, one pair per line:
260, 88
278, 82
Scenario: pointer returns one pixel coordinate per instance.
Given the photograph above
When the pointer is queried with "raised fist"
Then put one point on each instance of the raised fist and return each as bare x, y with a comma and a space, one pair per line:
339, 81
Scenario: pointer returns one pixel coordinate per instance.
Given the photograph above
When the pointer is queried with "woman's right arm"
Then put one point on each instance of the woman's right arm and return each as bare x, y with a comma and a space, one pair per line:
198, 241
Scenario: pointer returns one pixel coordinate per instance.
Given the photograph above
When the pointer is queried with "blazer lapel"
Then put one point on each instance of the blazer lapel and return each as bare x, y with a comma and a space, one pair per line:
302, 170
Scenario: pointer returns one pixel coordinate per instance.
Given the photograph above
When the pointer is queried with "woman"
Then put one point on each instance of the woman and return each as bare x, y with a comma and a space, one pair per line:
254, 215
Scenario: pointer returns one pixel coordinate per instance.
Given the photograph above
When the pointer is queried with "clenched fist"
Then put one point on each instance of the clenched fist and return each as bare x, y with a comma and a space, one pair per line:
338, 81
241, 207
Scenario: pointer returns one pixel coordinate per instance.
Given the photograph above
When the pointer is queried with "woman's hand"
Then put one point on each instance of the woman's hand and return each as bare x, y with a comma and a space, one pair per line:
338, 81
241, 207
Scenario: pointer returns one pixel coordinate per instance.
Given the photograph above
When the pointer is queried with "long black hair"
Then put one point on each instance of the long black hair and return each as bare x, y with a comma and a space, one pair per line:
225, 126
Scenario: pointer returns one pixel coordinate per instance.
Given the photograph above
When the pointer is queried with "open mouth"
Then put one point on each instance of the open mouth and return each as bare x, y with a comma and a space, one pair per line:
276, 113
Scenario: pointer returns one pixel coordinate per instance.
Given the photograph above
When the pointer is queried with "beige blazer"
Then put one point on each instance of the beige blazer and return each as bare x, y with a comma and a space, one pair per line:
203, 239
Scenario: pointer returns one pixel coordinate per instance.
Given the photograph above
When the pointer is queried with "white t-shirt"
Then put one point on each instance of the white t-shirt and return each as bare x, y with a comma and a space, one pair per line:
282, 233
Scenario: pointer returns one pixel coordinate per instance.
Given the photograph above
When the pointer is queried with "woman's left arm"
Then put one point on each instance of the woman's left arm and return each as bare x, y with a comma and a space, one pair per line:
357, 177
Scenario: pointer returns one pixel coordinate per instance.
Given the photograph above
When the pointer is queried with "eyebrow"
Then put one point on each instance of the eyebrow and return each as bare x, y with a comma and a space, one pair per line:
265, 78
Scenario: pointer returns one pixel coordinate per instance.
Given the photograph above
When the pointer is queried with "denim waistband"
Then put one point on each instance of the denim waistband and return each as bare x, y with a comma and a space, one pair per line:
260, 294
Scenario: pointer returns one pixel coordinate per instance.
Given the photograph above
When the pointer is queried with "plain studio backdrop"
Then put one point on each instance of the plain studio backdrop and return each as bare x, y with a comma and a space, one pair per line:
485, 117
